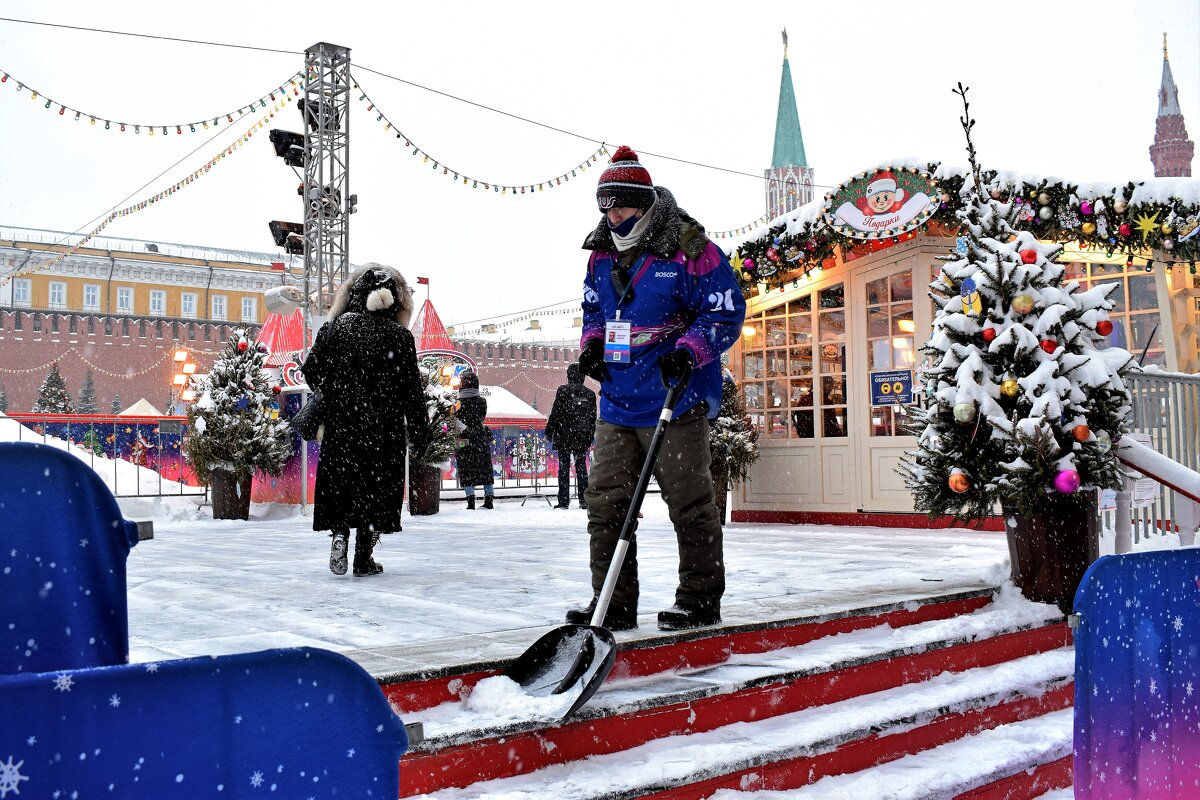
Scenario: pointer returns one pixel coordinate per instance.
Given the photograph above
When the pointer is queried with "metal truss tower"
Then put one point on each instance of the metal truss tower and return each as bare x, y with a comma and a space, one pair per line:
326, 190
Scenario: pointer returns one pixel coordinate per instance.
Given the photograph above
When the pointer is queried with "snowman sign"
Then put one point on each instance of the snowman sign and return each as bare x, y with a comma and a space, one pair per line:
882, 203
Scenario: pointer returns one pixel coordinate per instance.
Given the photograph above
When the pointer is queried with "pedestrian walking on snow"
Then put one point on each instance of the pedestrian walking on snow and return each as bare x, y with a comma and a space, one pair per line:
571, 428
474, 454
667, 298
364, 365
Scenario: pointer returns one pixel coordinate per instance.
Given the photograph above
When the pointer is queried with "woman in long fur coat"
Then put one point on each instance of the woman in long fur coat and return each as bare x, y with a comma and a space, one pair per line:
364, 364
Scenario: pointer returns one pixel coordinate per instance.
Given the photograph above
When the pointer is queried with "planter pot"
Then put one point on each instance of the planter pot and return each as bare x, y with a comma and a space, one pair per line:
230, 496
424, 489
1051, 549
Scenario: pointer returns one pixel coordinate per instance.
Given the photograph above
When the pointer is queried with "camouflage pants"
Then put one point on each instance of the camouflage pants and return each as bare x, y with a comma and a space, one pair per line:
682, 470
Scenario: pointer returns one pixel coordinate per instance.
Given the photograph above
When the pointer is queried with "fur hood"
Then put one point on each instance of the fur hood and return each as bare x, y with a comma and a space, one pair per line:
662, 238
346, 300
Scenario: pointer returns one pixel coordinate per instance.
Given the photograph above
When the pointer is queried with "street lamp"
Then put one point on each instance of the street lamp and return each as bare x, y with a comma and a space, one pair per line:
185, 368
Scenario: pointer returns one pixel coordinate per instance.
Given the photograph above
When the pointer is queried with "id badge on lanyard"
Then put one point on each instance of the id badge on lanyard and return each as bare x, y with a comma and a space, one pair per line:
617, 332
616, 341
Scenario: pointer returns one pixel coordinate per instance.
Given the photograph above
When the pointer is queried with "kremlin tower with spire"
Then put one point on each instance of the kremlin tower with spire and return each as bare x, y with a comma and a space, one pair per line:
789, 180
1172, 150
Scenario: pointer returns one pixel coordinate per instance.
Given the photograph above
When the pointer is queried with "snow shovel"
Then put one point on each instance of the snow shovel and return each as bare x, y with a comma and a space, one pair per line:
577, 658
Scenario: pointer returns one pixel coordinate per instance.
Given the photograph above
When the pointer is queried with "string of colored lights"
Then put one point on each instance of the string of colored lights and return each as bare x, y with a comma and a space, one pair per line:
291, 83
228, 150
475, 183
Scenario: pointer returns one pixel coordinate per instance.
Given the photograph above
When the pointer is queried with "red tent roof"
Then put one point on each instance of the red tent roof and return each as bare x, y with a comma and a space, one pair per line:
429, 331
283, 334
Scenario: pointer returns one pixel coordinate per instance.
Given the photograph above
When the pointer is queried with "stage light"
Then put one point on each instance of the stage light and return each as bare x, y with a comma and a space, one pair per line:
289, 236
289, 146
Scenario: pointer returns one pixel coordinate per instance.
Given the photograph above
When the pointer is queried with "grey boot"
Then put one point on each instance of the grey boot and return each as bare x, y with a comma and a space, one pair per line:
337, 552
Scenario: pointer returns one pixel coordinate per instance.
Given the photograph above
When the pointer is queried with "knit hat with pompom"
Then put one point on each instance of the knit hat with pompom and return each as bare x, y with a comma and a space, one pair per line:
625, 183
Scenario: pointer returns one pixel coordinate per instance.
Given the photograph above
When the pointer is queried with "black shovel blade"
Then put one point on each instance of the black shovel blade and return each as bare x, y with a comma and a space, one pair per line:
573, 659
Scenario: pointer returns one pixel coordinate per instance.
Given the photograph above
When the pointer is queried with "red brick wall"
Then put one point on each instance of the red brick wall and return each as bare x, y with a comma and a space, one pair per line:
132, 361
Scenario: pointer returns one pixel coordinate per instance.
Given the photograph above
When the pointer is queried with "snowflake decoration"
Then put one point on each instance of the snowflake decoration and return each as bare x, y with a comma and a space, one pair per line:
256, 780
1067, 218
1187, 687
1177, 624
63, 682
350, 753
115, 701
379, 728
1153, 686
11, 777
152, 667
83, 542
31, 741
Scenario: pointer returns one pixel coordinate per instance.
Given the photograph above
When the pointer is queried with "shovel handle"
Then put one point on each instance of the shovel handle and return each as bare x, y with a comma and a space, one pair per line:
639, 494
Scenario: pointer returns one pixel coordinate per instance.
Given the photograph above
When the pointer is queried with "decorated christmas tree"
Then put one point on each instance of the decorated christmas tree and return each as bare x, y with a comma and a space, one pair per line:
53, 397
1022, 408
732, 442
87, 396
234, 424
440, 401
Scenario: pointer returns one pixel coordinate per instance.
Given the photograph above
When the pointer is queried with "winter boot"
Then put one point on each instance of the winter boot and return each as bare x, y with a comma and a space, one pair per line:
471, 503
684, 617
364, 544
337, 552
617, 619
487, 501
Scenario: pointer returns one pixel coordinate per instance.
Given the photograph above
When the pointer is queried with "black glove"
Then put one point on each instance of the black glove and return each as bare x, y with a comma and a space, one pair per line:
591, 361
676, 366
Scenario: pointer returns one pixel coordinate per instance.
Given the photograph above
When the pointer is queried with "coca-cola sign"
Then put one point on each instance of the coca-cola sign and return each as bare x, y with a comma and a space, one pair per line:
882, 203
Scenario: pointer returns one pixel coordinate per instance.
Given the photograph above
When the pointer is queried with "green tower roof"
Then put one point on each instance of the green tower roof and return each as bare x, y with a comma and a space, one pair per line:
789, 143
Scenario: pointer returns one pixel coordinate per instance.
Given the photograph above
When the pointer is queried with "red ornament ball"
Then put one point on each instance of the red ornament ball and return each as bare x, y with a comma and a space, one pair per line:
1081, 433
959, 482
989, 335
1049, 345
243, 346
1104, 327
1029, 256
276, 389
1125, 229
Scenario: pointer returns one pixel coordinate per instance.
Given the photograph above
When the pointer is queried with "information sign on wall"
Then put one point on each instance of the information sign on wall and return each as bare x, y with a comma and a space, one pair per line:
891, 388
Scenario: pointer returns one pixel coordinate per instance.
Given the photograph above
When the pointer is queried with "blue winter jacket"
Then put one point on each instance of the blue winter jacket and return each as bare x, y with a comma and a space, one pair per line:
684, 295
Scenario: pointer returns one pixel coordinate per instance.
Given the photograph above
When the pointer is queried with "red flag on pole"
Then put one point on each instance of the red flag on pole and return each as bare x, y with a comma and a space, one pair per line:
424, 281
278, 266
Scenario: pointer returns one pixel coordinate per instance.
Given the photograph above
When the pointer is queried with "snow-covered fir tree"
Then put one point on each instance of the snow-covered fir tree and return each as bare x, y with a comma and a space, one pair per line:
232, 424
116, 404
731, 438
53, 397
440, 401
1022, 408
87, 396
3, 401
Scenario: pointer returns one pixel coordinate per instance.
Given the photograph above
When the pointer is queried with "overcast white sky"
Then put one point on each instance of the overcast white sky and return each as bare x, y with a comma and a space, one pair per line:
1063, 88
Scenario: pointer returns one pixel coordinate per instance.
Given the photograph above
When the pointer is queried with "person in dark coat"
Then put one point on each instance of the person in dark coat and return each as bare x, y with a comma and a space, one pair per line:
474, 454
364, 365
571, 428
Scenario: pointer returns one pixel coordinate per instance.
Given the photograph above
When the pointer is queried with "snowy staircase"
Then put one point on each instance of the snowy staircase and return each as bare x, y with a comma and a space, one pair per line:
779, 705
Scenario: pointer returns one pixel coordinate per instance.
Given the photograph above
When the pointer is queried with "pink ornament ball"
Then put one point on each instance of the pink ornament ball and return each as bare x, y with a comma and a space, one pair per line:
1126, 229
1066, 481
748, 264
1085, 208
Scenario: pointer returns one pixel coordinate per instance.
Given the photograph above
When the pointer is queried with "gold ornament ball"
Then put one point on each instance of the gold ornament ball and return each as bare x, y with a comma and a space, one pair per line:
1009, 387
1088, 228
1044, 199
1167, 229
959, 482
1081, 433
964, 412
1023, 303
